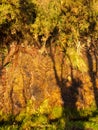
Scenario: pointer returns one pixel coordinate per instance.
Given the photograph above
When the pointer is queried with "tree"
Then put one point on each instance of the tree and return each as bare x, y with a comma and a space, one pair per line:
68, 22
16, 17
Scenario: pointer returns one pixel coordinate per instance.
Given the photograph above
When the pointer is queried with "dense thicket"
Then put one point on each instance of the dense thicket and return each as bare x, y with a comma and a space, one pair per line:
70, 26
67, 23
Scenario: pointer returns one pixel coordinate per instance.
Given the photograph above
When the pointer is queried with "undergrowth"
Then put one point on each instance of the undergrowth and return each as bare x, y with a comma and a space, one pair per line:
47, 118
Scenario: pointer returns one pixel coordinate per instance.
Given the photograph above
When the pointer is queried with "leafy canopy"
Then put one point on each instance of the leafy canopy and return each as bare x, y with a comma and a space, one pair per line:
69, 22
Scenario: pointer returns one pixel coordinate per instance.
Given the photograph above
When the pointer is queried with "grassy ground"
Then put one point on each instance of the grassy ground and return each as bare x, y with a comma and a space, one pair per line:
58, 119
